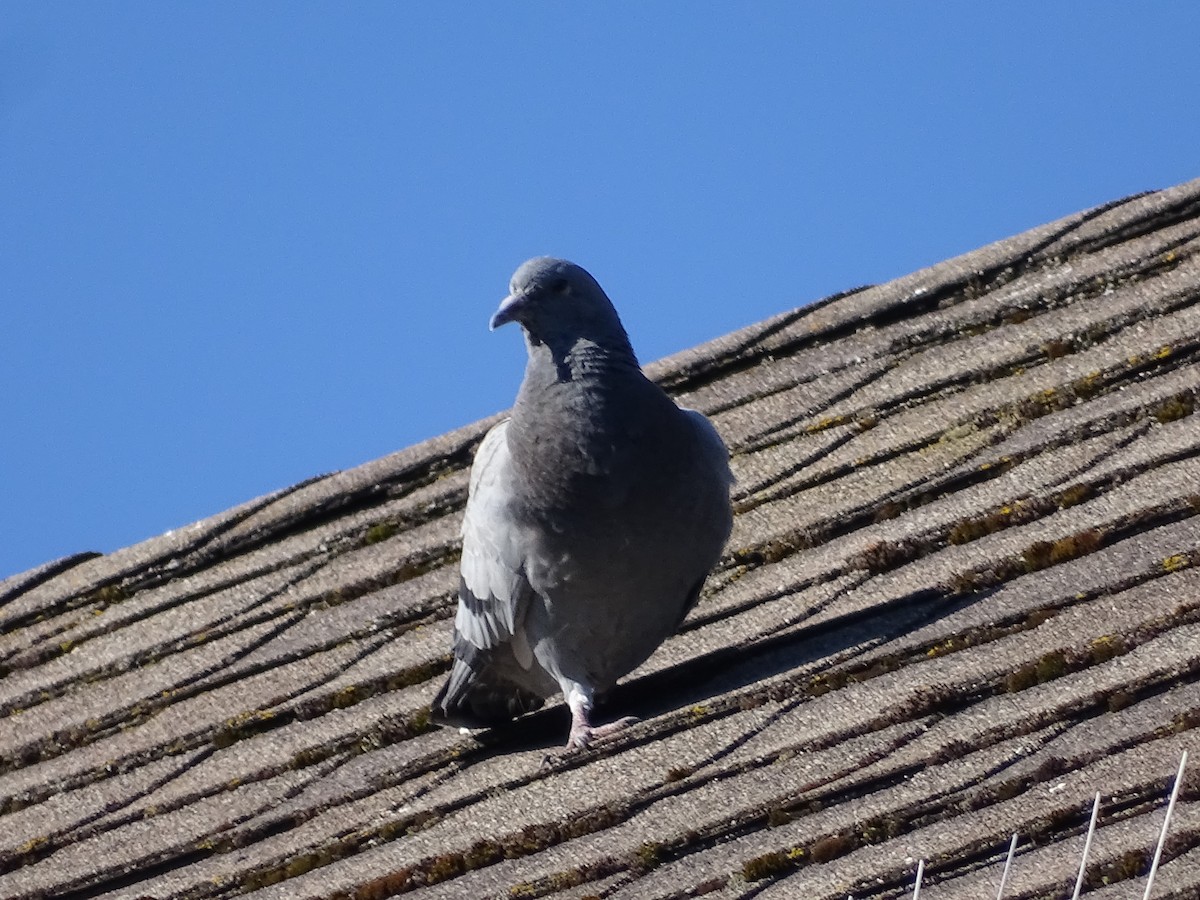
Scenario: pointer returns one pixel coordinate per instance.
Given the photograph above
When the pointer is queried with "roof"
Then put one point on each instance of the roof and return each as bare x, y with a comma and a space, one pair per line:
962, 596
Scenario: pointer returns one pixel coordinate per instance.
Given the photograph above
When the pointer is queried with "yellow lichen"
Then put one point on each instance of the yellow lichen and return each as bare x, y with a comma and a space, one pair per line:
1051, 666
1173, 408
649, 855
1022, 678
1175, 562
1106, 647
380, 532
827, 422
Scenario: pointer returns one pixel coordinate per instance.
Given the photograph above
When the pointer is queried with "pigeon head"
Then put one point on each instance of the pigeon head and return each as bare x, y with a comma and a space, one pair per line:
554, 299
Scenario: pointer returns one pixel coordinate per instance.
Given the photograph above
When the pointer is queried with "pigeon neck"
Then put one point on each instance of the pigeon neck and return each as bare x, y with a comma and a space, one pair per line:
579, 359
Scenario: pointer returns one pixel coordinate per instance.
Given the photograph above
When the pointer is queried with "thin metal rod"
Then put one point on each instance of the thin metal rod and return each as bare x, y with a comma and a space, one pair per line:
1087, 847
920, 875
1162, 838
1012, 849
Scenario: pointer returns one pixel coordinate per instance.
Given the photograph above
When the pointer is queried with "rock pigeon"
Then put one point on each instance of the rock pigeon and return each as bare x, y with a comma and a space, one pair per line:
594, 514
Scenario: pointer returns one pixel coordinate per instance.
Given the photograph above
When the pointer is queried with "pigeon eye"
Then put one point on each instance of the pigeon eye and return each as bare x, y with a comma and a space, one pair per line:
559, 286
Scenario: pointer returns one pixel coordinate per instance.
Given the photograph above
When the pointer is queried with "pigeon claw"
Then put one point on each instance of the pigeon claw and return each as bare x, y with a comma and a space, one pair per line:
583, 735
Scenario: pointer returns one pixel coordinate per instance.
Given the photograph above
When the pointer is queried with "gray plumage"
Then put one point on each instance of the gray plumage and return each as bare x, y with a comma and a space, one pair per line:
594, 514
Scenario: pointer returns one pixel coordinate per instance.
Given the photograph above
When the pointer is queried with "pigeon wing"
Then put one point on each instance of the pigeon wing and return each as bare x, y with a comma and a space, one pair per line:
493, 591
493, 598
714, 456
713, 449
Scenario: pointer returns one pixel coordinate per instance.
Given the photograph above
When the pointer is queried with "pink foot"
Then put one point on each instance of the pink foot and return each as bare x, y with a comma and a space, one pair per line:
583, 734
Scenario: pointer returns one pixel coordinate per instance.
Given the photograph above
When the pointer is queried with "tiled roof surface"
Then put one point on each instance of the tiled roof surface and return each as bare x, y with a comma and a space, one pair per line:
962, 595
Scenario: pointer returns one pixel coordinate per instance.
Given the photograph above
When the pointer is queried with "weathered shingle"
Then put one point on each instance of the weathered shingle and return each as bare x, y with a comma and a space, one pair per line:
962, 595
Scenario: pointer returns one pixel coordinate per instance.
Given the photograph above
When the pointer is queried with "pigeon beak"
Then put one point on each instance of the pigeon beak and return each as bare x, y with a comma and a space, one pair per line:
510, 307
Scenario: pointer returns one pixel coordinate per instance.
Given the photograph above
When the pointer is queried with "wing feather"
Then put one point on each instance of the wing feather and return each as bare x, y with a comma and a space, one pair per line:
494, 593
493, 598
715, 451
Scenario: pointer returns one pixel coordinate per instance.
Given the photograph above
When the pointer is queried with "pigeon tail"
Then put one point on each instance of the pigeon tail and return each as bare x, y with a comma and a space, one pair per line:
471, 699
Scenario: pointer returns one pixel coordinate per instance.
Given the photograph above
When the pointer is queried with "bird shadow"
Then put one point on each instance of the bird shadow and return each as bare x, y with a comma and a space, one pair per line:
740, 667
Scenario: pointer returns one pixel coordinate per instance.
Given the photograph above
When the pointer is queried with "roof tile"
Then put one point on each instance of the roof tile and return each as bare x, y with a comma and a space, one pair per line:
960, 598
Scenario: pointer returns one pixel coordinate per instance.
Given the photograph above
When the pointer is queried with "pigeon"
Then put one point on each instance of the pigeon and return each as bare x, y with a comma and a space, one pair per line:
594, 514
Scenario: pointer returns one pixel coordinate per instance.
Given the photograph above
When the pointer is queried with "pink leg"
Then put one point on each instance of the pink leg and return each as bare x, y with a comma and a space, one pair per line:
579, 699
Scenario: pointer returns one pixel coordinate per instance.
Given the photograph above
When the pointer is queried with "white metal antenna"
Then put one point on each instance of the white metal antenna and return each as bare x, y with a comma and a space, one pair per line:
1012, 848
1087, 846
1162, 838
920, 875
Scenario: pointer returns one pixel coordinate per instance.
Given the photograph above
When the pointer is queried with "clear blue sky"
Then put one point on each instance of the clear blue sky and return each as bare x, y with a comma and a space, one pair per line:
242, 244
